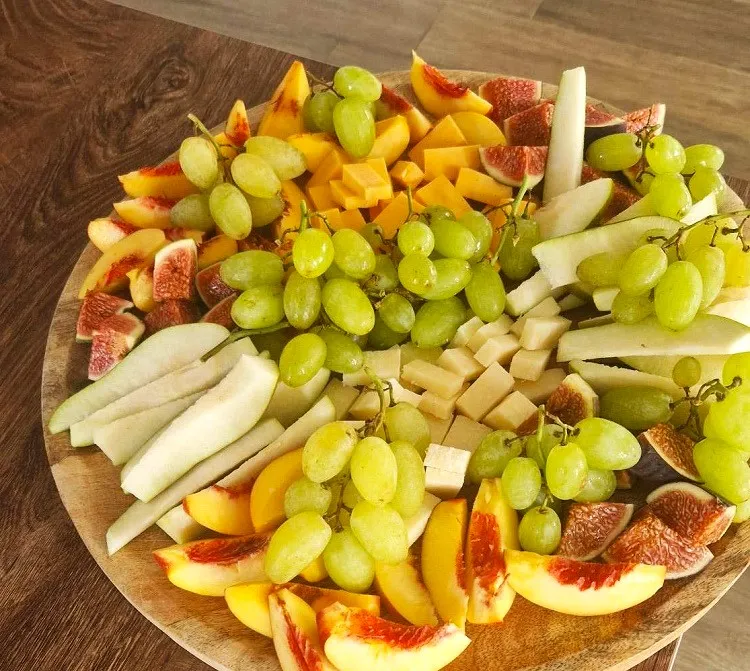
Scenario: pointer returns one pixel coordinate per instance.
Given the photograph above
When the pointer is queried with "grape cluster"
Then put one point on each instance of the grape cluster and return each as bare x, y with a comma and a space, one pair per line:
351, 505
557, 463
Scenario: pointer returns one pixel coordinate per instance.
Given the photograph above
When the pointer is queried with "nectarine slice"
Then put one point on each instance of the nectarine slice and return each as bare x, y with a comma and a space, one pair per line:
166, 180
106, 231
225, 510
267, 496
402, 588
283, 115
145, 212
237, 129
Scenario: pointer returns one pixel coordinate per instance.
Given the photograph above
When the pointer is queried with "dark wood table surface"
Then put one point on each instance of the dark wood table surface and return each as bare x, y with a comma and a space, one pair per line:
88, 90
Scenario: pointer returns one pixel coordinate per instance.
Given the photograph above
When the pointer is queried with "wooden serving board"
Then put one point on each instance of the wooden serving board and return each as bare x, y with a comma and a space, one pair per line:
531, 637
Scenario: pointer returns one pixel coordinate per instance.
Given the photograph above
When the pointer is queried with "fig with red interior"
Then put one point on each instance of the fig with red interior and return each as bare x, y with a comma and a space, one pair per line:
600, 123
532, 127
112, 341
622, 196
509, 165
573, 400
510, 95
221, 313
667, 455
648, 116
170, 313
95, 309
211, 288
174, 271
590, 528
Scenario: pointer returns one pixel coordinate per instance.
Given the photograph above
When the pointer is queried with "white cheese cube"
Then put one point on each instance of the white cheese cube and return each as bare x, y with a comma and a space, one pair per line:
411, 387
342, 396
433, 378
439, 406
529, 364
486, 392
443, 484
410, 352
499, 327
604, 297
539, 391
499, 349
449, 459
465, 434
465, 331
384, 363
416, 524
571, 302
461, 361
547, 308
367, 404
513, 411
543, 332
438, 427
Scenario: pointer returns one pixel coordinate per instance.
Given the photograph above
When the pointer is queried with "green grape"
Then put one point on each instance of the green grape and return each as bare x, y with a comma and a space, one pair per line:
433, 213
265, 210
254, 176
351, 80
516, 260
407, 499
383, 337
642, 270
453, 275
312, 252
353, 254
374, 470
485, 292
642, 184
678, 296
385, 276
566, 471
637, 408
737, 366
415, 237
348, 306
599, 486
710, 234
407, 424
305, 495
301, 300
258, 307
334, 272
350, 497
192, 211
704, 182
706, 155
540, 530
665, 154
397, 313
199, 161
355, 126
687, 372
343, 355
631, 309
729, 418
301, 359
417, 273
374, 236
230, 211
437, 322
253, 268
481, 229
328, 450
711, 265
737, 267
600, 270
723, 469
348, 563
614, 152
655, 236
492, 456
381, 531
742, 514
669, 195
286, 161
521, 482
606, 444
453, 240
295, 545
539, 452
317, 111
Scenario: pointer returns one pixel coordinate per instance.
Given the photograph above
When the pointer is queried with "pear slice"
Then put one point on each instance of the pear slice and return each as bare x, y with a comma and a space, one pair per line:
573, 211
290, 403
167, 350
220, 417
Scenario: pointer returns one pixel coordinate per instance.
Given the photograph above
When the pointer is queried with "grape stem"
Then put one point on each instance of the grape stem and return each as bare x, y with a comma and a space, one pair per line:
511, 217
201, 127
374, 425
243, 333
567, 429
705, 391
324, 219
320, 82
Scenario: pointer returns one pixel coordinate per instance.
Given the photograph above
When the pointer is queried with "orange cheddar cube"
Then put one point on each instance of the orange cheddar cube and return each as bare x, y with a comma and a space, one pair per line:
380, 166
314, 147
330, 218
395, 214
347, 198
330, 168
365, 181
352, 219
479, 186
321, 197
391, 139
445, 134
375, 210
449, 160
441, 192
407, 174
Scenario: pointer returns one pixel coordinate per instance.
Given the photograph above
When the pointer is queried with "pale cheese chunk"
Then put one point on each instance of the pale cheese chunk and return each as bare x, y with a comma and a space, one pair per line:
465, 331
543, 332
384, 363
512, 411
439, 406
442, 484
498, 349
410, 352
438, 427
540, 390
529, 364
499, 327
432, 378
367, 404
342, 396
465, 434
486, 392
571, 302
445, 458
547, 308
461, 361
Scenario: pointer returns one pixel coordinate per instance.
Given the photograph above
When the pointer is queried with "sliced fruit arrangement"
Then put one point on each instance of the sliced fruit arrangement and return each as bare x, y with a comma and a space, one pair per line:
337, 386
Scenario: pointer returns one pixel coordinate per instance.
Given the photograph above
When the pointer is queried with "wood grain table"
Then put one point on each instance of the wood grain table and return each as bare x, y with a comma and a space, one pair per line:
88, 90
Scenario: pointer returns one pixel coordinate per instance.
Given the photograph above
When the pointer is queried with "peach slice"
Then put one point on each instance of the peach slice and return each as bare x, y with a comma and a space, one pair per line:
581, 588
237, 128
438, 95
391, 103
443, 566
225, 510
249, 603
314, 147
226, 148
166, 181
315, 571
142, 288
146, 211
267, 496
493, 527
209, 566
283, 115
295, 633
214, 250
402, 588
391, 139
109, 273
106, 231
354, 639
479, 129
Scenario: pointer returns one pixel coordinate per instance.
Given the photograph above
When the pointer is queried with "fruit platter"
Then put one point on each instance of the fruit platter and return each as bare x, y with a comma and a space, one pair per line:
431, 369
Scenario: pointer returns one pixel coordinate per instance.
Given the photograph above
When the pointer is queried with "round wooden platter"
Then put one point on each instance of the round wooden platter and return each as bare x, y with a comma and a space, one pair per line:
531, 637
